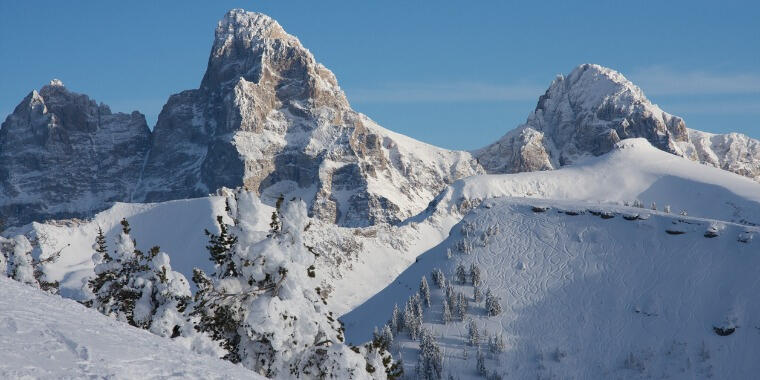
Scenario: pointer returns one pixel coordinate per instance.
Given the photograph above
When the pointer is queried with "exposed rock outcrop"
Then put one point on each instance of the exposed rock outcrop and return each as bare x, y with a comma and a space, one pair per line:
64, 155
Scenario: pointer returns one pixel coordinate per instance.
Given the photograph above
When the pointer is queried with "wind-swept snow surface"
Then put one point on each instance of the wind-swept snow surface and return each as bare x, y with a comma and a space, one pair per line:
588, 293
633, 170
48, 337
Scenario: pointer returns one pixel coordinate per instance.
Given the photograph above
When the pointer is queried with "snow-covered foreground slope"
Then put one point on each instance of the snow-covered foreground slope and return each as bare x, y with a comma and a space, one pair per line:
47, 337
633, 170
354, 262
586, 296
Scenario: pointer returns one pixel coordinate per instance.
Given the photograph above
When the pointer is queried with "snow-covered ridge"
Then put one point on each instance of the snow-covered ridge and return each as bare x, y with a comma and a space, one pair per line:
594, 107
633, 170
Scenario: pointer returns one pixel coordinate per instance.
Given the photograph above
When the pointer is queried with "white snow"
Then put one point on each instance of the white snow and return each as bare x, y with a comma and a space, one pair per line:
587, 297
634, 170
48, 337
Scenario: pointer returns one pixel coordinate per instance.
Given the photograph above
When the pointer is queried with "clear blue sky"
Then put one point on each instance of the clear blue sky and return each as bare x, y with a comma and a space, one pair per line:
457, 74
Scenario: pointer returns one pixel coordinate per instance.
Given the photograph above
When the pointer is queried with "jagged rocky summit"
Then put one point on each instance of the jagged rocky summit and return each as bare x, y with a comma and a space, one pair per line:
63, 155
593, 108
270, 118
267, 117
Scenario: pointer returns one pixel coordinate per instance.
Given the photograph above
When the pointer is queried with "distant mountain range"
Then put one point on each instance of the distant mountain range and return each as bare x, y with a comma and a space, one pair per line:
269, 118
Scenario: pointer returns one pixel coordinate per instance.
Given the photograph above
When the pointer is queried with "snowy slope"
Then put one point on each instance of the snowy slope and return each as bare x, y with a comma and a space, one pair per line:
358, 262
633, 170
47, 337
589, 297
354, 262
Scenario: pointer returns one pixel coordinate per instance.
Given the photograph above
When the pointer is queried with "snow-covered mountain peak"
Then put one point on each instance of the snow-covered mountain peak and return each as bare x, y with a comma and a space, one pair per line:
270, 118
591, 85
587, 112
56, 82
253, 26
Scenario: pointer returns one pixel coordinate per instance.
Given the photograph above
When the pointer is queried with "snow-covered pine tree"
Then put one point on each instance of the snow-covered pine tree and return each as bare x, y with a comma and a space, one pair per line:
111, 287
481, 364
412, 320
100, 247
169, 295
430, 359
446, 311
477, 296
451, 296
438, 278
263, 307
462, 304
138, 288
461, 274
417, 303
666, 209
473, 334
493, 304
425, 291
380, 348
496, 344
220, 248
474, 274
396, 321
18, 258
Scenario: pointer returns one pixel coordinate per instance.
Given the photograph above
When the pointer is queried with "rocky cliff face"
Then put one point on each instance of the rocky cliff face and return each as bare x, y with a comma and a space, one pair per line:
590, 110
63, 155
270, 118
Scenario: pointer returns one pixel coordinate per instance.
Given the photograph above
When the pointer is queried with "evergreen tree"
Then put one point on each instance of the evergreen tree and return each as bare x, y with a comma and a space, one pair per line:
438, 278
425, 291
477, 296
475, 275
461, 306
430, 360
220, 248
166, 295
461, 275
396, 321
481, 364
18, 261
112, 286
101, 248
451, 296
413, 316
382, 339
265, 312
496, 344
473, 335
493, 304
446, 311
140, 289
